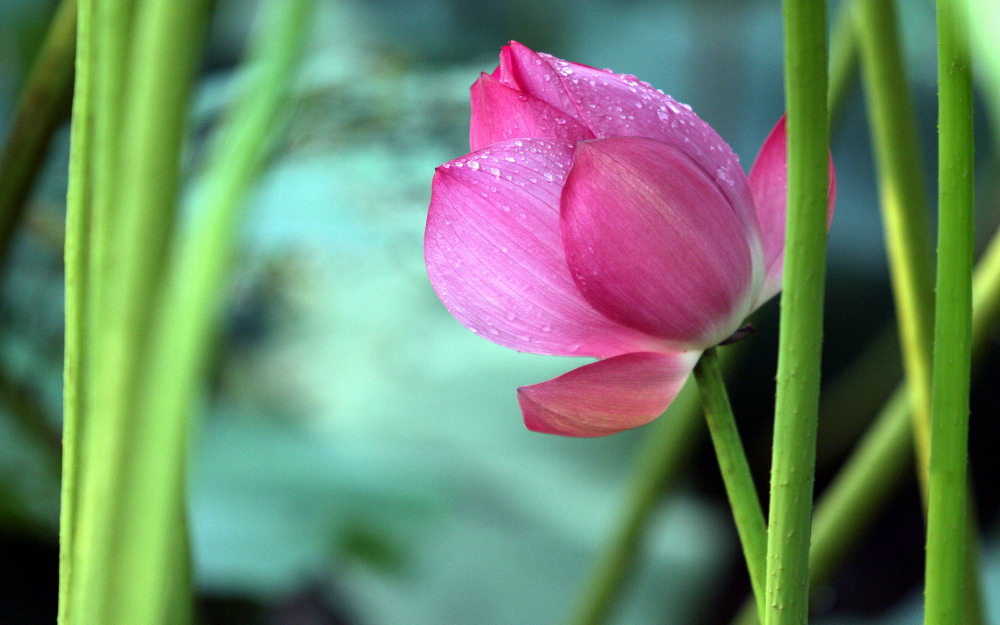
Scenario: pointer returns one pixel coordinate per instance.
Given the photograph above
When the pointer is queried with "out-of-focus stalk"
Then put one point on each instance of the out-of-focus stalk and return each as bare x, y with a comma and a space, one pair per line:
41, 107
903, 202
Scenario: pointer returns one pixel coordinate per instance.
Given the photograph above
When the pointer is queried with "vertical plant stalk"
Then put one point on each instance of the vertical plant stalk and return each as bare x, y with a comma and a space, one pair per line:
129, 207
948, 488
883, 457
843, 57
42, 105
668, 445
76, 365
735, 469
905, 214
904, 205
192, 296
801, 334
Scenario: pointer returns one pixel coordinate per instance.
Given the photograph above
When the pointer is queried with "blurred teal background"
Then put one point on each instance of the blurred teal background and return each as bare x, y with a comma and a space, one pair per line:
361, 457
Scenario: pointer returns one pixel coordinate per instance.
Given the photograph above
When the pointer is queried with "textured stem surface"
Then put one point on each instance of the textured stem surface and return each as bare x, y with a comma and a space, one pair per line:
801, 333
947, 492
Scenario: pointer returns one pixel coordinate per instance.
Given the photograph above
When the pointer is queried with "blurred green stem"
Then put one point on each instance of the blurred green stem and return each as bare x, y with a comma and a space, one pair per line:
43, 104
800, 341
903, 202
735, 470
843, 57
125, 544
195, 285
947, 491
668, 446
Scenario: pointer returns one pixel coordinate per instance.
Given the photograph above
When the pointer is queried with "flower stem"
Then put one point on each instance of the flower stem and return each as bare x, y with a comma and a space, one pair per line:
883, 456
740, 487
800, 342
947, 492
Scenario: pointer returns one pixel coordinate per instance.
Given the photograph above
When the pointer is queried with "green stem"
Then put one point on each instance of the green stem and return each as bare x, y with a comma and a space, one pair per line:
664, 454
742, 492
43, 104
800, 341
947, 493
668, 447
132, 209
903, 203
192, 296
905, 214
882, 459
76, 357
843, 57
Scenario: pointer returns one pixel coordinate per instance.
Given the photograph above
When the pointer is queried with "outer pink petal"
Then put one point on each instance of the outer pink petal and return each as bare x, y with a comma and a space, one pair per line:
620, 105
654, 244
495, 257
769, 184
607, 396
500, 113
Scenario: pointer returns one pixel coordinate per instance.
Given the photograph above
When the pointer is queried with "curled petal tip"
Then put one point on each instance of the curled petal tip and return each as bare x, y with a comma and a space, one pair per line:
607, 396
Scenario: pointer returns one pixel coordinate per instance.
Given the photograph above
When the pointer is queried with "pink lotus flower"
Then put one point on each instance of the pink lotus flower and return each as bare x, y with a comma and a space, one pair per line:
596, 216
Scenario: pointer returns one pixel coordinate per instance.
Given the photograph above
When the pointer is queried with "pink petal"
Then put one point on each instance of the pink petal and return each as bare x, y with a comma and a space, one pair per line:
607, 396
495, 257
500, 113
620, 105
524, 69
769, 185
653, 243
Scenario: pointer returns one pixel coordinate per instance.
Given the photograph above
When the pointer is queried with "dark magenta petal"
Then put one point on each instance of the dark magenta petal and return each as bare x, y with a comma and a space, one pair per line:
654, 244
495, 256
607, 396
500, 113
769, 185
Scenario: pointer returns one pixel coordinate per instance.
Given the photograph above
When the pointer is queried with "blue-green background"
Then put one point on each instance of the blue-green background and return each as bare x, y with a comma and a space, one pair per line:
361, 455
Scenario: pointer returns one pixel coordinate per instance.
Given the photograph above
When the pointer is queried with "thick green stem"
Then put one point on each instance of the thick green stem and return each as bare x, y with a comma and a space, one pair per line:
882, 459
76, 357
801, 333
129, 557
740, 488
129, 209
195, 284
947, 493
